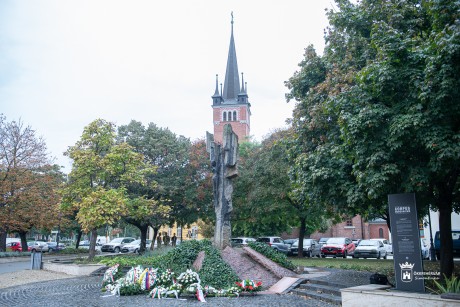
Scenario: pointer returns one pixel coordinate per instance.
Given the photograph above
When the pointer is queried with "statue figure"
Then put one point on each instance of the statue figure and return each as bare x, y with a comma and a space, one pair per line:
224, 159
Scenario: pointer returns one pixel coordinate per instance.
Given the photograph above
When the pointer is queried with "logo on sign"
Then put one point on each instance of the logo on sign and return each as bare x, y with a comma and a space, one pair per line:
402, 209
406, 271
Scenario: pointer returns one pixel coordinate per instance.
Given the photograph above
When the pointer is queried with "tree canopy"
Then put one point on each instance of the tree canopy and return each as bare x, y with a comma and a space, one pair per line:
378, 112
28, 182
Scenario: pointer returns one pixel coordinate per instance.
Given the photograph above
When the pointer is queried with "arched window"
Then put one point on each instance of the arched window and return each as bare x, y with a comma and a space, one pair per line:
225, 116
380, 232
234, 115
229, 116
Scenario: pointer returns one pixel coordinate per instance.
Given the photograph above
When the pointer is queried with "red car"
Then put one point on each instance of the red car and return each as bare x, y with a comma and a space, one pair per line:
16, 247
338, 247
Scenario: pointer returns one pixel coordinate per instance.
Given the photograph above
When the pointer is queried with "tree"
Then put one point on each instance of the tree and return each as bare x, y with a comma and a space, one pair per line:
181, 175
101, 171
266, 199
28, 182
383, 117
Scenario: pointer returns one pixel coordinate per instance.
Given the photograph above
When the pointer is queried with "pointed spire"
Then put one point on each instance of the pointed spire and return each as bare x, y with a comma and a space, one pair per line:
216, 92
232, 80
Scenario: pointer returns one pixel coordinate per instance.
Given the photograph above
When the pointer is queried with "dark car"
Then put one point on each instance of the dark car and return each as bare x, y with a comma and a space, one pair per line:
276, 243
338, 247
54, 247
455, 243
310, 248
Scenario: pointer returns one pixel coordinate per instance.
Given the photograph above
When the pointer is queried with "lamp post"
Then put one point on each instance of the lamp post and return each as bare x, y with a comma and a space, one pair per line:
432, 252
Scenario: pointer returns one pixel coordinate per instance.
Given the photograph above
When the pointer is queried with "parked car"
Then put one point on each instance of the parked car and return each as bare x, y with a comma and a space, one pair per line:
135, 246
38, 246
84, 244
310, 248
356, 241
53, 247
322, 241
241, 241
16, 247
116, 245
276, 243
388, 245
425, 249
370, 249
455, 245
338, 247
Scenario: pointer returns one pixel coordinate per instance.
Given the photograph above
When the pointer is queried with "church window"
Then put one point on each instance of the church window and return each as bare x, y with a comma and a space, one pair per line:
234, 115
230, 116
225, 116
380, 232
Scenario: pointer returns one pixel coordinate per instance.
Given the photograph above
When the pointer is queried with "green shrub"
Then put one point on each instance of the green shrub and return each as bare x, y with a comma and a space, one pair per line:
14, 254
215, 271
272, 254
450, 285
72, 250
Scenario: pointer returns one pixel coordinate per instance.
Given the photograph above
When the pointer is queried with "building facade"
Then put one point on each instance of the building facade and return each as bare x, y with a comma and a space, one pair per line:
353, 228
231, 105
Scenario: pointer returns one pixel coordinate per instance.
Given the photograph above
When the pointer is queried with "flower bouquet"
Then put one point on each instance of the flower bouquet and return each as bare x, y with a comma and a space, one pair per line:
249, 285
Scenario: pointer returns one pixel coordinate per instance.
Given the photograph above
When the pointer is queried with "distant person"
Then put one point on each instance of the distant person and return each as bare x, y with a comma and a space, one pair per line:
159, 240
166, 239
174, 240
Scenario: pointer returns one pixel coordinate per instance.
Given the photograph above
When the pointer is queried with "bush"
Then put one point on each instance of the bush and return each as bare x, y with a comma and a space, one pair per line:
214, 272
272, 254
14, 254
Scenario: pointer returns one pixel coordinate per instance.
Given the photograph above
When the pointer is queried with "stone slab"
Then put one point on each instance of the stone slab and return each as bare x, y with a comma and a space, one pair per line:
380, 295
283, 284
72, 269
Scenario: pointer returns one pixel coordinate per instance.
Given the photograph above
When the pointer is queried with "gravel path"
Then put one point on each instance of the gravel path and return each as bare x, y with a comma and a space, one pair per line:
51, 289
86, 291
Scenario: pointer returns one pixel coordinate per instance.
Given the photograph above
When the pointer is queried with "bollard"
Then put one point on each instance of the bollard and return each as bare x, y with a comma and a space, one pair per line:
36, 261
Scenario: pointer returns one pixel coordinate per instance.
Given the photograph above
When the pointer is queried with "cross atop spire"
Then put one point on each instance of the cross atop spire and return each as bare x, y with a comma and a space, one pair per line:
232, 80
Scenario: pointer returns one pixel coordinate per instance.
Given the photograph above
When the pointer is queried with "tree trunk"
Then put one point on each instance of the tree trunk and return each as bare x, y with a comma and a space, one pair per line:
22, 235
79, 234
445, 230
92, 244
301, 236
3, 236
143, 230
154, 239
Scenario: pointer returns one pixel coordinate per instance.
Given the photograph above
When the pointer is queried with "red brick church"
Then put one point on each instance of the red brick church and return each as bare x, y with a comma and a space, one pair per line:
230, 105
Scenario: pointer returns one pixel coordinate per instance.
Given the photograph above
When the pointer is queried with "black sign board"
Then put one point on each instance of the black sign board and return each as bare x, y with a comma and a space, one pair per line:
406, 242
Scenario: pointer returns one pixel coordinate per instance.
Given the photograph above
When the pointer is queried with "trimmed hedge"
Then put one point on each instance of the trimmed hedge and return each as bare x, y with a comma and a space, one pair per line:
272, 254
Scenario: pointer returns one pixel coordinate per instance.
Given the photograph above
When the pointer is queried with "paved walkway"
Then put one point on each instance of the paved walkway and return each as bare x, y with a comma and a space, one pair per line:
86, 291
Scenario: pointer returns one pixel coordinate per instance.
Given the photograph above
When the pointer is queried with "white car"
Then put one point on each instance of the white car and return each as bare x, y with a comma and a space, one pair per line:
38, 246
135, 246
370, 249
116, 244
241, 241
388, 246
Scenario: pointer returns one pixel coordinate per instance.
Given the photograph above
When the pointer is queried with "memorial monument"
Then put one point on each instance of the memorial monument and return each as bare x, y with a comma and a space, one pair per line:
224, 159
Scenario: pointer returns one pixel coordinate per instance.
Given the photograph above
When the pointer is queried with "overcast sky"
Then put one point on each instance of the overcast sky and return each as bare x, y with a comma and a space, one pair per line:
66, 63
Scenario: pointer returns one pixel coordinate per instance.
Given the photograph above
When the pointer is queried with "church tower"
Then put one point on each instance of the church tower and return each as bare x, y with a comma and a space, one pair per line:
231, 106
